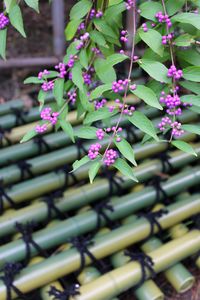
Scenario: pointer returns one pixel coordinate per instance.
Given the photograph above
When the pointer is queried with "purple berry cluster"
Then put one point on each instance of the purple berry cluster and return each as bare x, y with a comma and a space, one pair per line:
83, 39
167, 38
172, 102
87, 78
129, 4
47, 86
42, 74
94, 151
100, 134
47, 115
174, 73
41, 128
96, 14
167, 123
96, 50
81, 27
100, 104
110, 157
62, 68
125, 109
119, 86
72, 96
144, 27
4, 21
163, 19
124, 36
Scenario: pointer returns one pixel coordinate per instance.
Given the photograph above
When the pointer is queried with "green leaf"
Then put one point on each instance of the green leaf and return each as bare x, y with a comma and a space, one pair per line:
125, 169
115, 59
192, 86
192, 73
149, 9
98, 38
41, 98
86, 132
33, 4
32, 79
191, 128
172, 6
143, 123
16, 20
28, 136
77, 77
185, 147
67, 127
9, 4
71, 50
100, 90
155, 70
191, 56
184, 40
58, 91
3, 37
80, 9
93, 170
188, 18
126, 150
83, 58
153, 39
79, 163
113, 12
147, 95
103, 27
193, 99
71, 29
85, 100
100, 114
106, 75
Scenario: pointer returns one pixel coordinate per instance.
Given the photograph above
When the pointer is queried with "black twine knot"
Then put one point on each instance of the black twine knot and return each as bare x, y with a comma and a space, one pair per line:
4, 197
19, 114
42, 144
146, 264
3, 136
71, 291
114, 181
81, 150
68, 174
161, 195
165, 162
26, 231
100, 208
10, 270
51, 207
25, 169
81, 244
152, 219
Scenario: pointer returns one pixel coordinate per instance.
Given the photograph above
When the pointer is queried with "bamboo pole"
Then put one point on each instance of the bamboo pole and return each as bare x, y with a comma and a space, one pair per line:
68, 261
41, 185
105, 244
121, 279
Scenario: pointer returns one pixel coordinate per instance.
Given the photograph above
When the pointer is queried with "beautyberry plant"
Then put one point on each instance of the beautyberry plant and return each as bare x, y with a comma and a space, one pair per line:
164, 38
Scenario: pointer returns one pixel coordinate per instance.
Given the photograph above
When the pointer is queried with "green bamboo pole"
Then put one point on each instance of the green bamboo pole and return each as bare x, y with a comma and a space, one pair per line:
91, 193
68, 261
105, 244
121, 279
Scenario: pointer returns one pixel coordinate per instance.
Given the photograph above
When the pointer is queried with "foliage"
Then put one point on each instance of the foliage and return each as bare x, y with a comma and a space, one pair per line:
87, 80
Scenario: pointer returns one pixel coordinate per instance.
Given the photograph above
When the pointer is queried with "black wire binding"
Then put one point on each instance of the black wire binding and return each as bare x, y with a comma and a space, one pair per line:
5, 197
81, 150
100, 208
71, 291
146, 263
51, 207
3, 136
131, 134
81, 244
165, 161
26, 231
42, 144
161, 195
10, 270
68, 174
114, 181
25, 169
19, 114
152, 219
